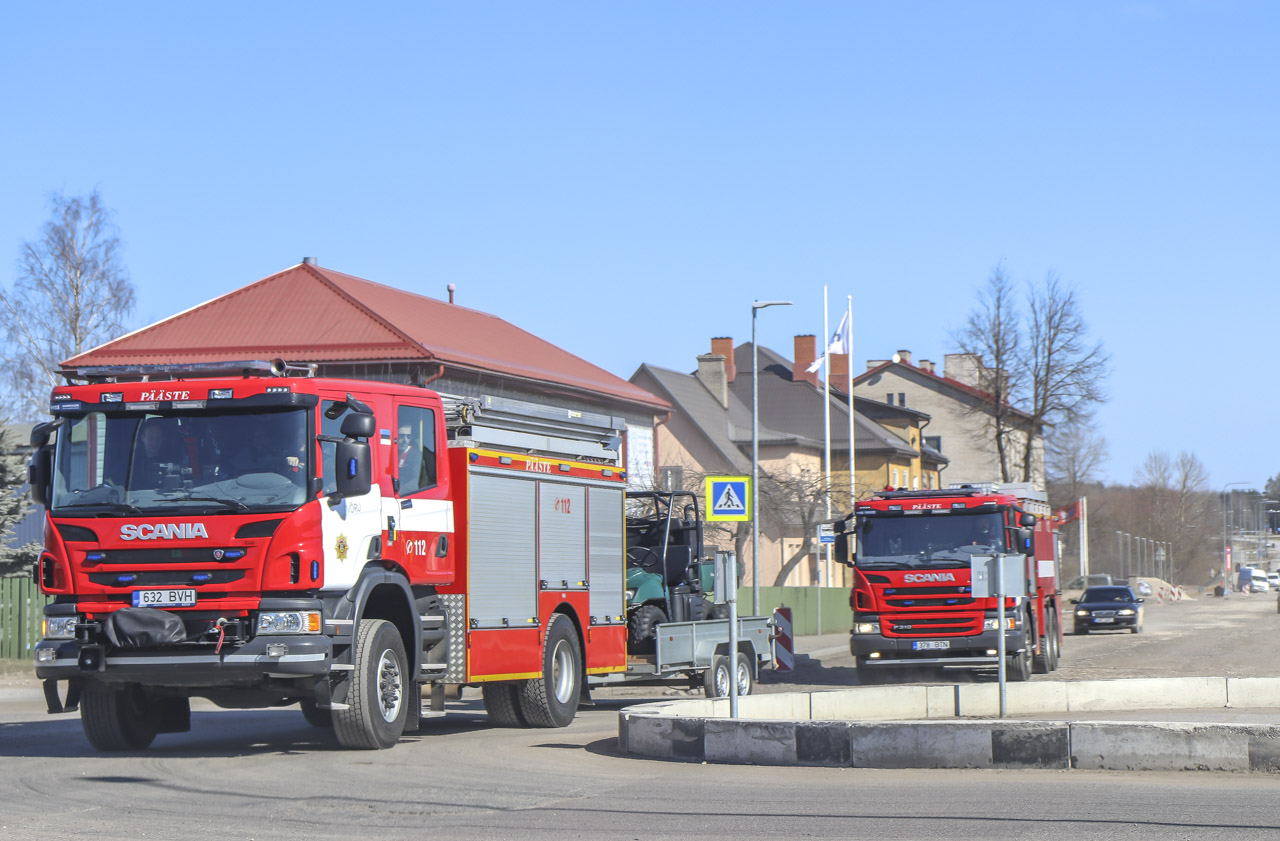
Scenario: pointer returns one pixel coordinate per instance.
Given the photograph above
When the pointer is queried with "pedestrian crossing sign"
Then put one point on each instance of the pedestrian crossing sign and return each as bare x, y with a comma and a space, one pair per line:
728, 498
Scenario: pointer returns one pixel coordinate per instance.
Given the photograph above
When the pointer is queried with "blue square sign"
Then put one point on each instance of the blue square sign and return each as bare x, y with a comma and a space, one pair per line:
728, 498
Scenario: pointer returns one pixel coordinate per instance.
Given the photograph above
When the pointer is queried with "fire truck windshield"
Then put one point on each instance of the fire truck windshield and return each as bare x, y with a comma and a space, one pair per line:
927, 541
108, 463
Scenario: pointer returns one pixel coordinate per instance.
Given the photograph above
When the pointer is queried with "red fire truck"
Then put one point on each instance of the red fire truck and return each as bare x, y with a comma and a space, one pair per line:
913, 600
260, 537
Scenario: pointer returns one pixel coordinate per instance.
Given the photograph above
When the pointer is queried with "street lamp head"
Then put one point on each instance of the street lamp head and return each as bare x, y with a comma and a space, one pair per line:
759, 305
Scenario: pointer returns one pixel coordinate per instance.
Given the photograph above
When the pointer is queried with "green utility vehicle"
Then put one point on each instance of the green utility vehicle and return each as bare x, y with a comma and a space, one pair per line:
669, 576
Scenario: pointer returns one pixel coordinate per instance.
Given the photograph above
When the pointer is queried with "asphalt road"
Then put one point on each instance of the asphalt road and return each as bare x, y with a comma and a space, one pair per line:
267, 774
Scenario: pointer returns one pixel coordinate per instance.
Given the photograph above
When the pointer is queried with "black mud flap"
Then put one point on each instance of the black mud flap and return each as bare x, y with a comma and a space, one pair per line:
143, 627
173, 715
55, 704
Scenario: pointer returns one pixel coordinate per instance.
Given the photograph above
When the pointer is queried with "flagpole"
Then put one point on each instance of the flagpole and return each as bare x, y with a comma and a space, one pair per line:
849, 350
825, 574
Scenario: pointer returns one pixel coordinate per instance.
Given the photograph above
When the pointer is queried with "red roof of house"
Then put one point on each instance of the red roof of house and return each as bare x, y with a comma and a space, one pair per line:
310, 314
985, 396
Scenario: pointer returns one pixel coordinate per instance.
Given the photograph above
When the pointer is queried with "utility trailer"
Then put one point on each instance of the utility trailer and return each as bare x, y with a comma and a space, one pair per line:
693, 653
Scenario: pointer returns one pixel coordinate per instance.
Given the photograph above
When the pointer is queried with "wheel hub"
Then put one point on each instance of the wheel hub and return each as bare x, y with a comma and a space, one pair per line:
389, 686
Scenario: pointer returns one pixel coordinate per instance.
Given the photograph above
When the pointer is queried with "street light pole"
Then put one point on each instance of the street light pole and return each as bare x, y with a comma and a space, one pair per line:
1226, 572
756, 306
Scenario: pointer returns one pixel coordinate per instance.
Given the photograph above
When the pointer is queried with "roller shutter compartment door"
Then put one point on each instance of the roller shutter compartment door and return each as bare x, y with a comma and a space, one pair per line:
562, 535
605, 555
502, 561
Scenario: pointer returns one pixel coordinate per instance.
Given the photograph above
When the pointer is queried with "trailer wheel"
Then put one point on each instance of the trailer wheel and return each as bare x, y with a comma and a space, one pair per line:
716, 679
642, 628
1018, 666
552, 700
117, 718
378, 699
502, 705
315, 716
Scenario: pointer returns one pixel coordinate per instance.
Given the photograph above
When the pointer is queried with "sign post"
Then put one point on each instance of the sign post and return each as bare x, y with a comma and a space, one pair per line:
728, 498
991, 576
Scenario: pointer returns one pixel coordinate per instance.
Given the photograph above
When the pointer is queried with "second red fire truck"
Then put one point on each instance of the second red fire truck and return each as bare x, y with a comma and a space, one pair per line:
913, 597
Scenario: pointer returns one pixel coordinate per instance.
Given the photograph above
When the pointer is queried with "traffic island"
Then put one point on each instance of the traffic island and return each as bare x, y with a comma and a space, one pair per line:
950, 727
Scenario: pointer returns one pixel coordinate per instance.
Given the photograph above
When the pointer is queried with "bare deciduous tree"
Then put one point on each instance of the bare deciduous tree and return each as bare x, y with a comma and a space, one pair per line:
992, 334
72, 294
1064, 374
793, 500
1074, 454
1174, 506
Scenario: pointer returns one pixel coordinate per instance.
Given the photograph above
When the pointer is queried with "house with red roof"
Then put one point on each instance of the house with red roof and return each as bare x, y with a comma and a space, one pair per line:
351, 327
963, 414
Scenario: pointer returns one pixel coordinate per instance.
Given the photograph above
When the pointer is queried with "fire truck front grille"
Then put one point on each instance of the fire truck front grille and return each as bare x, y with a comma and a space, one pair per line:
164, 578
927, 596
922, 626
143, 557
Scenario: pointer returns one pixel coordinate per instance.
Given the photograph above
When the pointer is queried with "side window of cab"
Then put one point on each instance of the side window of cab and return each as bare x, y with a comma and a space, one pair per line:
415, 449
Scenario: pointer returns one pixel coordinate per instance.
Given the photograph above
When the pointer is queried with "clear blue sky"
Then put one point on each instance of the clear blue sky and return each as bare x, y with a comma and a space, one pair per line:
624, 178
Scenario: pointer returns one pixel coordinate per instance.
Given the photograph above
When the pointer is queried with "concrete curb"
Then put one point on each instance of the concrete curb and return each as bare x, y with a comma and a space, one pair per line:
855, 727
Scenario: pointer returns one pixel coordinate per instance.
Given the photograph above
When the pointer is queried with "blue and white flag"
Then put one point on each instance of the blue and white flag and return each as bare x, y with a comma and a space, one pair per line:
841, 342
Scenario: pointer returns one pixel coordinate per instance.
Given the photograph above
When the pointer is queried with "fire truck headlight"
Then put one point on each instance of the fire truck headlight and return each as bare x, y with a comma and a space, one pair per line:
1010, 623
866, 627
60, 627
289, 622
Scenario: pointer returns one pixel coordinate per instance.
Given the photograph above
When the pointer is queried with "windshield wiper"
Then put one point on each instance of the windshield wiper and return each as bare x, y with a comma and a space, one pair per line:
109, 505
234, 503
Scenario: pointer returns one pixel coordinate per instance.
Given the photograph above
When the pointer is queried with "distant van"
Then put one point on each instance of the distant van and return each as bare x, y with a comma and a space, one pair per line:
1084, 582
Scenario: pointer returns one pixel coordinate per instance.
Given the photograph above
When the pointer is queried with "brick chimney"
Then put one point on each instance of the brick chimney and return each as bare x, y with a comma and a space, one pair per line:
963, 367
711, 373
724, 346
926, 366
840, 370
806, 350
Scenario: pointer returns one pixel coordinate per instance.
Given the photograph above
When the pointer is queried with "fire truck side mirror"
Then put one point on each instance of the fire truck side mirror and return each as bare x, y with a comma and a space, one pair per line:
40, 474
1028, 520
358, 425
352, 467
842, 554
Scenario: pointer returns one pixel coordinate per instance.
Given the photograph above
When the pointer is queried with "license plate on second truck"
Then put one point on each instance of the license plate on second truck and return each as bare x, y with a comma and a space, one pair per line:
930, 645
164, 598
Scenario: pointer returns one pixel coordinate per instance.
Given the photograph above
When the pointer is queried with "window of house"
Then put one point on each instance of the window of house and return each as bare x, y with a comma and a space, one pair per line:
889, 398
671, 477
902, 398
415, 448
933, 442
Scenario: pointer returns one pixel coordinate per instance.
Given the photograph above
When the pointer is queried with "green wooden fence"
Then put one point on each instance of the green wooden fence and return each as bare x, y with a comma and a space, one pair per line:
21, 609
803, 601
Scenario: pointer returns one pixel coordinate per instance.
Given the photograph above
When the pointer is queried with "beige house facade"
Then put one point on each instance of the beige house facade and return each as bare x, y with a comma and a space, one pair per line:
962, 416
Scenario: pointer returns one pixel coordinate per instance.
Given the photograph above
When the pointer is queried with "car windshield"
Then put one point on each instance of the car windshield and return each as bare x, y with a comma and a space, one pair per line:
1108, 594
928, 541
128, 464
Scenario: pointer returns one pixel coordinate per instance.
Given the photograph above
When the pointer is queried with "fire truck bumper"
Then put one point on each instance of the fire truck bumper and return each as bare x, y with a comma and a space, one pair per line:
979, 649
253, 662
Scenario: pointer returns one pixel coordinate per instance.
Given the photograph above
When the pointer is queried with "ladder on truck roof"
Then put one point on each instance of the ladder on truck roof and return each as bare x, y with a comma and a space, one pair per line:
520, 426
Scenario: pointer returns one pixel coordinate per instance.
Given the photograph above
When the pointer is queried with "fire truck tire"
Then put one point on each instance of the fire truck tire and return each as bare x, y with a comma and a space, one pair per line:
1055, 647
642, 628
116, 718
502, 704
379, 695
552, 700
315, 716
1018, 667
868, 675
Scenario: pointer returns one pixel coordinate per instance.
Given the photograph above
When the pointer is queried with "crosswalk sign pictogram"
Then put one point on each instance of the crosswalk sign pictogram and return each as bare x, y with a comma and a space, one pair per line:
728, 498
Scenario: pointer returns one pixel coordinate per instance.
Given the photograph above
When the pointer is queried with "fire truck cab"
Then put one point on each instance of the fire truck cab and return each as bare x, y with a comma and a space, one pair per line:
913, 598
259, 537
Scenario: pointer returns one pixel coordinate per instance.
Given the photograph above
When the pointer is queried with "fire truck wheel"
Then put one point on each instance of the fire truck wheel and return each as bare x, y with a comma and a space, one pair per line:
379, 694
1055, 647
642, 628
552, 700
1018, 667
502, 704
117, 718
315, 716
